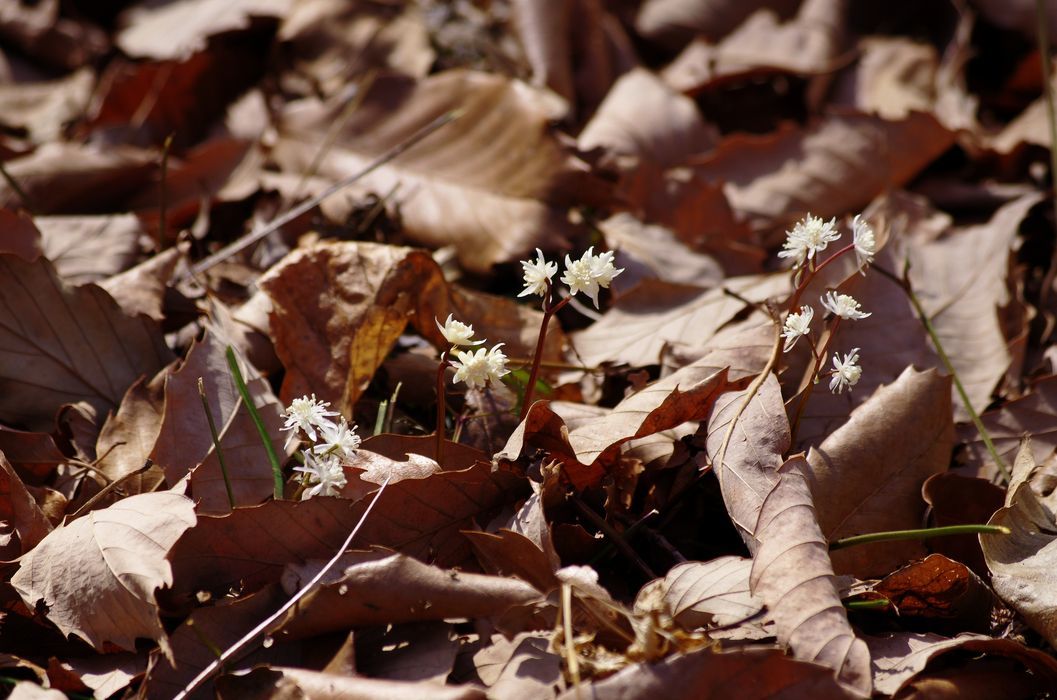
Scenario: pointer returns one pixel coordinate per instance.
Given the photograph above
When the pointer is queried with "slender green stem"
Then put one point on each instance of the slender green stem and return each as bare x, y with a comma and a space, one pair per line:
379, 417
216, 442
908, 289
924, 533
244, 392
1042, 26
875, 604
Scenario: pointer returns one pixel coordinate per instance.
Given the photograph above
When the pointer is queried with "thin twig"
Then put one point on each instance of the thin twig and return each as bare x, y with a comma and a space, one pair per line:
106, 490
260, 629
216, 442
280, 221
614, 536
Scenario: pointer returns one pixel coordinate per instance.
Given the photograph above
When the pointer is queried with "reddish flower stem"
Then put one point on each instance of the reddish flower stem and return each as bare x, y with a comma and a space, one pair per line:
438, 449
549, 310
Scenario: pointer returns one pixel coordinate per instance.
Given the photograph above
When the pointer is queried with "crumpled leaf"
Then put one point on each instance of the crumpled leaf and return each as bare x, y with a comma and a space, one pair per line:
114, 558
793, 576
700, 594
361, 594
22, 524
510, 200
184, 442
522, 668
942, 591
60, 344
917, 409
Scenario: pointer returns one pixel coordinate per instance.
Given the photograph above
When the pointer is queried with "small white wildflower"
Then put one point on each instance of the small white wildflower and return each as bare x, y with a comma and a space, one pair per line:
590, 273
456, 332
308, 414
538, 274
339, 440
842, 305
846, 372
865, 243
480, 367
808, 237
796, 325
325, 475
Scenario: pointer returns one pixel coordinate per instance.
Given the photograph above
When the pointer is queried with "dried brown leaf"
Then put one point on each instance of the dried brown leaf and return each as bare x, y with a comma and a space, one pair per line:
363, 593
522, 668
21, 236
673, 22
184, 441
34, 456
509, 553
494, 183
414, 651
653, 252
60, 344
793, 576
90, 248
954, 499
281, 683
899, 436
941, 591
701, 594
141, 289
114, 558
42, 109
22, 524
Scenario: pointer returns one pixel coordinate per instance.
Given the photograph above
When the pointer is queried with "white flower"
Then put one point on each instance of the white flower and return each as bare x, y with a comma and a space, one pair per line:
308, 414
846, 373
796, 325
480, 367
842, 305
808, 237
339, 440
538, 274
325, 474
590, 273
865, 243
456, 332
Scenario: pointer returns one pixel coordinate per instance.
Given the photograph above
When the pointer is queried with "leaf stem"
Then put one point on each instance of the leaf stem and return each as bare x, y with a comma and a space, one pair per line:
921, 534
216, 442
269, 449
908, 289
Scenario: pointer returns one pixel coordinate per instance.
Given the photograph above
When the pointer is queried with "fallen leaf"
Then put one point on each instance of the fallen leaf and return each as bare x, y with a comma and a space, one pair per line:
1034, 415
40, 30
114, 557
42, 109
185, 444
128, 435
90, 248
672, 22
702, 594
793, 576
940, 591
63, 345
21, 236
522, 668
645, 251
917, 408
413, 651
141, 289
22, 524
954, 499
509, 553
34, 456
510, 201
108, 673
279, 682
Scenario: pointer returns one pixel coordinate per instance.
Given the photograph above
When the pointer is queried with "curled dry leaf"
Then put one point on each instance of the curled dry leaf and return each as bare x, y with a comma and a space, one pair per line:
494, 183
867, 475
22, 524
793, 576
522, 668
672, 22
941, 591
60, 344
954, 499
114, 558
701, 594
364, 594
754, 453
184, 441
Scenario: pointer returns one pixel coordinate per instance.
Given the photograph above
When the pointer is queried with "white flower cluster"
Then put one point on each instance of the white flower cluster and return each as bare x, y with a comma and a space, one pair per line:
335, 443
808, 238
589, 274
476, 368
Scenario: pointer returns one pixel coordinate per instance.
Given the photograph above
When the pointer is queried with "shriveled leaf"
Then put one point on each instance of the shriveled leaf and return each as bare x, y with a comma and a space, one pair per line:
700, 594
90, 248
898, 657
522, 668
364, 594
280, 682
867, 476
753, 674
494, 183
1023, 563
22, 524
793, 576
654, 314
128, 436
754, 455
60, 344
418, 517
184, 440
941, 591
114, 558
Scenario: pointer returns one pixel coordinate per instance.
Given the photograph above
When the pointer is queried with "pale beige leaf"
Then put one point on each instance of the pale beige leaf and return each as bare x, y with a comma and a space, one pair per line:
90, 248
700, 594
114, 558
646, 251
141, 289
1034, 415
184, 442
43, 109
281, 683
900, 436
793, 576
522, 668
495, 183
754, 455
61, 344
674, 21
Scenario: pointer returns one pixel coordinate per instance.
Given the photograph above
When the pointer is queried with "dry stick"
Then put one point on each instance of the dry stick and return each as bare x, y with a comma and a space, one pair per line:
254, 236
905, 285
163, 195
257, 631
614, 536
106, 490
567, 629
1051, 118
